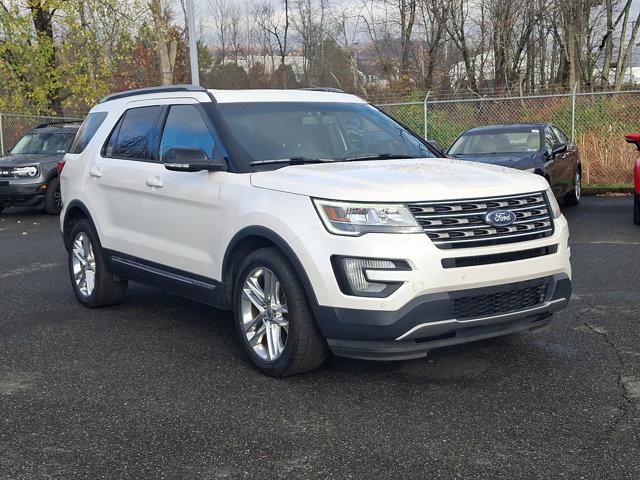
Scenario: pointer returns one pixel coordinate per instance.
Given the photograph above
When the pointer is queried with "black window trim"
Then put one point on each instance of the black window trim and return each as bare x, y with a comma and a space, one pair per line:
152, 141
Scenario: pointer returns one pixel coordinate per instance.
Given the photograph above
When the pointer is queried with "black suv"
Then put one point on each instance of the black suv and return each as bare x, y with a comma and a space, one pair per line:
29, 174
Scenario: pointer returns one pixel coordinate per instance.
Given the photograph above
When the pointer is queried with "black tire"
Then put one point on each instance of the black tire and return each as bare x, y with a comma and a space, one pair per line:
305, 348
109, 289
52, 199
1, 209
573, 197
636, 209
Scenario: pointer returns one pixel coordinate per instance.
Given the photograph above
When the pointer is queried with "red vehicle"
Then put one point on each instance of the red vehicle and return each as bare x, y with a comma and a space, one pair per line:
635, 139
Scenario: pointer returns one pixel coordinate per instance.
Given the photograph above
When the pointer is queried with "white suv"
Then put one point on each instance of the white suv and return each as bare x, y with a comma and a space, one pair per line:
324, 224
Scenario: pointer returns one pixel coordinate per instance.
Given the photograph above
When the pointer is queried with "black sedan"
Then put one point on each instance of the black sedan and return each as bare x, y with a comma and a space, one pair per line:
535, 147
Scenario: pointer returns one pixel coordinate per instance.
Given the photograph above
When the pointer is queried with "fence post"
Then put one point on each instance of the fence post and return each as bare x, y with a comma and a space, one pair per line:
573, 113
426, 115
1, 137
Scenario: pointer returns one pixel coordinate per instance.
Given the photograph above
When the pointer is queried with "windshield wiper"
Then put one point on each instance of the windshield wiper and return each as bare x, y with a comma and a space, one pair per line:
292, 161
380, 156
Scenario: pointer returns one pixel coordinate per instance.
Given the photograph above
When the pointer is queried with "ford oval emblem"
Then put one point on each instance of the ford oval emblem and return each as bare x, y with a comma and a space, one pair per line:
500, 218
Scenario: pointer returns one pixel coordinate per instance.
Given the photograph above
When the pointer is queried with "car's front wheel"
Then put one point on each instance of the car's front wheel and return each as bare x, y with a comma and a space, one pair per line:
53, 197
93, 283
636, 209
274, 321
573, 197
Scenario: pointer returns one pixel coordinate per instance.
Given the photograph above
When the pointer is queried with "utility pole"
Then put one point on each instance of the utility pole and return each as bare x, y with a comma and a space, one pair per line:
193, 45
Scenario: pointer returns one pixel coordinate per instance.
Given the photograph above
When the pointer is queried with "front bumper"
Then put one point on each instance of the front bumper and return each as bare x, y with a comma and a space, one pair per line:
21, 194
429, 322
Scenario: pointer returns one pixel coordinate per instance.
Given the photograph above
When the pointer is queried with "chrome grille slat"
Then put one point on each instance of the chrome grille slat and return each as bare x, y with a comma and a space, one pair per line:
482, 226
461, 223
439, 215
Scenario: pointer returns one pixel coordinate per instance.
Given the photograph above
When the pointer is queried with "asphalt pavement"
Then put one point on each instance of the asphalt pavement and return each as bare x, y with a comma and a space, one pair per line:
158, 387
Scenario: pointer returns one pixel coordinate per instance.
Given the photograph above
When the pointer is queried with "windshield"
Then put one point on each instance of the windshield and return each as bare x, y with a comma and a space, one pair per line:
43, 144
321, 131
497, 141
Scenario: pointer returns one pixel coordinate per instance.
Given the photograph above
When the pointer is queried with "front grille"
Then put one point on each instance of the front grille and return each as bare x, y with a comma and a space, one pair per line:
486, 302
461, 223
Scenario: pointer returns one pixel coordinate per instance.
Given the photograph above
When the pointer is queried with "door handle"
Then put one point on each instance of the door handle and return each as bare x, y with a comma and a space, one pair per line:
155, 182
95, 172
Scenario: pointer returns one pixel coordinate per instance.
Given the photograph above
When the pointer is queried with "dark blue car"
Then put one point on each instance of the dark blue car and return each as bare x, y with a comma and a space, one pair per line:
535, 147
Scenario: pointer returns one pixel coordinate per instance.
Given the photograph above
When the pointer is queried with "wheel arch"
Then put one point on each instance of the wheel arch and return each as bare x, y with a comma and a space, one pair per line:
75, 211
253, 238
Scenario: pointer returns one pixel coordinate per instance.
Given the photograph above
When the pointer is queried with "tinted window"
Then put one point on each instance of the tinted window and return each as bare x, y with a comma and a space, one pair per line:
549, 138
185, 128
562, 138
43, 144
282, 130
132, 136
87, 131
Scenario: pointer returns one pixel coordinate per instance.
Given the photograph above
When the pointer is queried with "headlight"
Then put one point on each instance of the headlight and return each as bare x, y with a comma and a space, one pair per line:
355, 219
25, 171
553, 203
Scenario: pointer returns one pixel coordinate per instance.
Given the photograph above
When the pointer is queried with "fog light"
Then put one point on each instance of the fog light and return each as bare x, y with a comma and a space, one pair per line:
351, 274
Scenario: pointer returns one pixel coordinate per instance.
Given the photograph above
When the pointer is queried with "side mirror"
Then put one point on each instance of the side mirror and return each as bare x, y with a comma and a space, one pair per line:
558, 149
183, 159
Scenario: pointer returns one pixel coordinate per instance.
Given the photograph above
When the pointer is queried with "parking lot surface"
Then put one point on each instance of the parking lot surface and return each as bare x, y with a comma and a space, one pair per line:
158, 387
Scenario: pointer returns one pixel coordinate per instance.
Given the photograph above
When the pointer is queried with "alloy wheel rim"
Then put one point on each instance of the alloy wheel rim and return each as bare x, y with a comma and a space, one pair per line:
578, 185
264, 314
84, 264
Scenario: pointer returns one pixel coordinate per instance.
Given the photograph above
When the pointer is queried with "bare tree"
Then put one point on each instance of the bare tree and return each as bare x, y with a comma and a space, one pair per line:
456, 27
432, 16
276, 24
165, 41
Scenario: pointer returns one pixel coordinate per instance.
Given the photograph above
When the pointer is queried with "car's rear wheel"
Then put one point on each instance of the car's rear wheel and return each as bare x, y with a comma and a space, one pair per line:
636, 209
573, 197
53, 197
274, 321
93, 283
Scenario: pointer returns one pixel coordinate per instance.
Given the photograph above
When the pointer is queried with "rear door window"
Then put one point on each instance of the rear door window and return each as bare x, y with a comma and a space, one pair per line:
185, 128
550, 139
87, 130
132, 138
562, 138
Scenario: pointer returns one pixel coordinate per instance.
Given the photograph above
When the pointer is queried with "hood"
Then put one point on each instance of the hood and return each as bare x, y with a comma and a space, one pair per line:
521, 161
399, 180
25, 160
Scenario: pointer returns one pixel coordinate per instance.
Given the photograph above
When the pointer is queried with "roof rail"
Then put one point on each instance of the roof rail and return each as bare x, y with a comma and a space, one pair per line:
323, 89
58, 122
161, 89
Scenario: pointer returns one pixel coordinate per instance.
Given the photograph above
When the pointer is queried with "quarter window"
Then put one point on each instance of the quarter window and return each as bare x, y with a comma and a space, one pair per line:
562, 138
550, 139
185, 128
132, 137
87, 130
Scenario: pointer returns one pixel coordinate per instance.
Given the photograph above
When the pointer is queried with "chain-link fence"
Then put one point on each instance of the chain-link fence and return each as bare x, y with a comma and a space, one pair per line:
13, 127
595, 121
